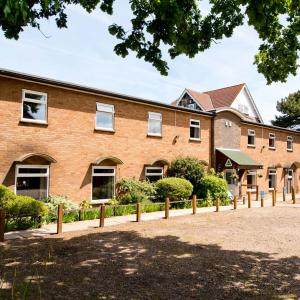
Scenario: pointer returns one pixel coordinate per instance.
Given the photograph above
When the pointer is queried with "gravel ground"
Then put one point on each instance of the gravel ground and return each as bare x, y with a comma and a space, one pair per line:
244, 254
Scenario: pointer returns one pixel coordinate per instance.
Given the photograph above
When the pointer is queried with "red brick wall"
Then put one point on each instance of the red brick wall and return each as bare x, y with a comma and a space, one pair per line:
70, 137
279, 156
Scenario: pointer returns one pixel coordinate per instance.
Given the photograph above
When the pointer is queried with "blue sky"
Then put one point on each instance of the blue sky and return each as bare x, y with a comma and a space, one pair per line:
83, 54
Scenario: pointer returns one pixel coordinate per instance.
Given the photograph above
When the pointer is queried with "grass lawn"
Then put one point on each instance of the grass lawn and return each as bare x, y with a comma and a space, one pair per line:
244, 254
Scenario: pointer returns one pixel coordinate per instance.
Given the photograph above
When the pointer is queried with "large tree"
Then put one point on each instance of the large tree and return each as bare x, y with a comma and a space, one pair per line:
289, 108
181, 26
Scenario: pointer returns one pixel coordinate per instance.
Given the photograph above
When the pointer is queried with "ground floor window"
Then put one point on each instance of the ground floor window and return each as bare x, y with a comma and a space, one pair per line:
32, 181
103, 183
154, 173
272, 179
251, 180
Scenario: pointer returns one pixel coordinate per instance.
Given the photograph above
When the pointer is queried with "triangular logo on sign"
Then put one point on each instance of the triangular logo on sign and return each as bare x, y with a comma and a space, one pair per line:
228, 163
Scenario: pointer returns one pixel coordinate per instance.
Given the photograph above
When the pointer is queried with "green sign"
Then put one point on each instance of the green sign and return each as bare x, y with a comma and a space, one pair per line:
228, 163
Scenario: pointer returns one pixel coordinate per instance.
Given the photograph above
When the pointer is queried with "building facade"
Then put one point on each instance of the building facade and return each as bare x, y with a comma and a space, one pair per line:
64, 139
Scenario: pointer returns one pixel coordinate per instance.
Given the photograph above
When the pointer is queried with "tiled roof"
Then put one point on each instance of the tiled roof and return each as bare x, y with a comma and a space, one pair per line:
225, 96
203, 99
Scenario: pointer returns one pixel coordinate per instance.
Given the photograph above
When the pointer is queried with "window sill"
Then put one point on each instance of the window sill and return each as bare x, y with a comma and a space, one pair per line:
154, 135
272, 148
32, 122
105, 129
251, 146
289, 150
99, 201
194, 140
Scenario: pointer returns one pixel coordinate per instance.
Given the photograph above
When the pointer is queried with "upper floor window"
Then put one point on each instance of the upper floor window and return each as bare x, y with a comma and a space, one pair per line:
154, 173
272, 140
251, 137
105, 116
289, 143
154, 123
34, 107
243, 109
195, 130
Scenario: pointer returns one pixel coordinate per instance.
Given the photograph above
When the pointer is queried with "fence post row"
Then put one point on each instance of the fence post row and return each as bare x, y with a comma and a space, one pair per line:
235, 202
2, 224
217, 205
273, 197
138, 212
257, 193
293, 195
102, 214
60, 213
283, 194
262, 200
249, 199
167, 208
194, 204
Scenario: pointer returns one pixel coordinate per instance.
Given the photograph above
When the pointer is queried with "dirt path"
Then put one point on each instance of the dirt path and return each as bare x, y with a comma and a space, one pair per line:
245, 254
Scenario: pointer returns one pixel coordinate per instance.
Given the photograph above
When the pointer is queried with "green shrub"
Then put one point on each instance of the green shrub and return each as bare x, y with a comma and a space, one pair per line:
52, 203
133, 191
6, 194
174, 188
189, 168
214, 187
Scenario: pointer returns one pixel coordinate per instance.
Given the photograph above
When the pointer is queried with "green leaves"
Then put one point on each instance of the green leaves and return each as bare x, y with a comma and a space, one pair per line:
180, 27
289, 108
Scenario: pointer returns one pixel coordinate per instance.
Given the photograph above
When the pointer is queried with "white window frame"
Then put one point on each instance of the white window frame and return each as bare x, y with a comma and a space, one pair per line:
290, 173
97, 201
290, 139
272, 172
24, 99
252, 173
161, 173
17, 174
251, 132
106, 108
157, 117
272, 136
195, 126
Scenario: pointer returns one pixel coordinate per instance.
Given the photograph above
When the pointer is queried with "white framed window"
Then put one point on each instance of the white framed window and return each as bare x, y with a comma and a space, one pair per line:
154, 123
103, 184
243, 109
272, 139
154, 173
272, 179
105, 117
289, 143
32, 181
251, 137
290, 173
34, 107
195, 130
251, 181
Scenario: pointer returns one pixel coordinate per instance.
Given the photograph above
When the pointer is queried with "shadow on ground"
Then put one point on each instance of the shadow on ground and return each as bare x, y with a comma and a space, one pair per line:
124, 265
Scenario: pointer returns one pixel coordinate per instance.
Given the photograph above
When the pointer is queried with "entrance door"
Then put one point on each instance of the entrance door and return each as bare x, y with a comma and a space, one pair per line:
231, 181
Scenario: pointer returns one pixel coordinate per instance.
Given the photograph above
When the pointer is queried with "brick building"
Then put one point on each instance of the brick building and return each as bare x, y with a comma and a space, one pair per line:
66, 139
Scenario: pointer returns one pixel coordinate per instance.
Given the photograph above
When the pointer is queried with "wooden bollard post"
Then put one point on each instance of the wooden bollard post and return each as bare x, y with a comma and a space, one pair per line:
235, 202
2, 224
244, 200
102, 215
167, 208
262, 199
217, 205
283, 194
60, 214
257, 193
249, 199
273, 198
138, 212
293, 195
194, 204
275, 193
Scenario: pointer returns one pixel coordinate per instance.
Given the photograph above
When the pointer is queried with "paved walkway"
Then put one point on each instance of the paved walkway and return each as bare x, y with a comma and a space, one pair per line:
84, 225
